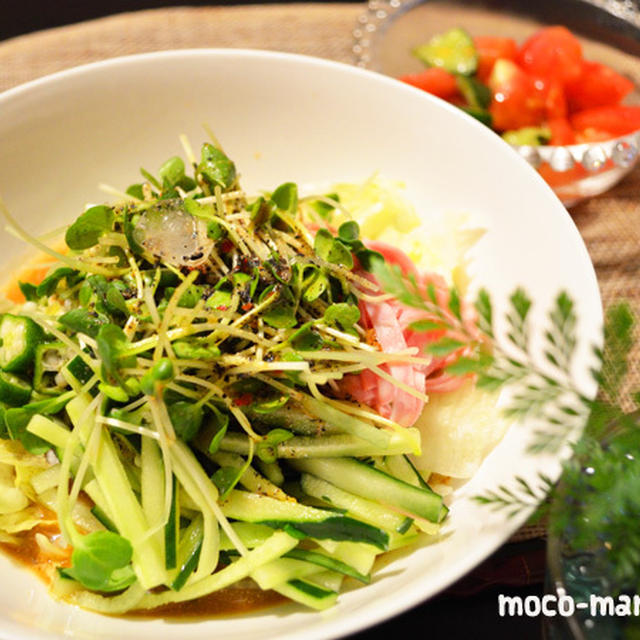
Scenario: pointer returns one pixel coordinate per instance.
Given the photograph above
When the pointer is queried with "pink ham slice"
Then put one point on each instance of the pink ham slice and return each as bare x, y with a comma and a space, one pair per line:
390, 322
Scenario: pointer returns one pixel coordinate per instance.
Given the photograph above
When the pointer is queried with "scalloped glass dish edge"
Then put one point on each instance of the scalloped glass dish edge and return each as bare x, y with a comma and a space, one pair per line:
604, 163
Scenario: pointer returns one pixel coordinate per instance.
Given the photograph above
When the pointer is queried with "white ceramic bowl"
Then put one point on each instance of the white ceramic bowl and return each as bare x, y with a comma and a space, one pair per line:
284, 117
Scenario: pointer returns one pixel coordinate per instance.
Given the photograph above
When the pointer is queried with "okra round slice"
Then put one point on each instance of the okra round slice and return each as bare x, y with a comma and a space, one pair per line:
19, 337
13, 390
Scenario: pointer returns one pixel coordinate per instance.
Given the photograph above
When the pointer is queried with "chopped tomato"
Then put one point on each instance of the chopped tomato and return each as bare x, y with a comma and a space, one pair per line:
226, 246
597, 86
561, 178
555, 102
552, 52
434, 80
543, 84
490, 49
617, 120
516, 101
593, 135
243, 400
562, 132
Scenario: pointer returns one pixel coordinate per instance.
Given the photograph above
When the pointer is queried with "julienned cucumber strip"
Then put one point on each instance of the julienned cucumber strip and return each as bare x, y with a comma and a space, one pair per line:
280, 571
252, 507
292, 417
402, 468
187, 568
250, 478
300, 520
356, 554
188, 552
122, 504
55, 433
93, 490
81, 513
358, 507
346, 423
252, 535
103, 518
171, 531
152, 489
338, 528
329, 446
327, 562
274, 547
309, 594
365, 481
329, 580
46, 479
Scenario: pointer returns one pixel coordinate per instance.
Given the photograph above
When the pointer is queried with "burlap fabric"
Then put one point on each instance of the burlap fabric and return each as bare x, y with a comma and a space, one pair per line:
610, 224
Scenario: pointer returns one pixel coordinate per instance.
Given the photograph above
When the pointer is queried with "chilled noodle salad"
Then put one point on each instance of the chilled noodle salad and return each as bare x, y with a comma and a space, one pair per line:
204, 386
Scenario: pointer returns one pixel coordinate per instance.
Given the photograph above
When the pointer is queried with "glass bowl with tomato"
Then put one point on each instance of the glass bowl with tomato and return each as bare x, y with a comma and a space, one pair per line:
568, 104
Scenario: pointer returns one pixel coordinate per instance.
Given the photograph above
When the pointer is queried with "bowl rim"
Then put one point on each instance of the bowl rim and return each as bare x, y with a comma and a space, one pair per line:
76, 70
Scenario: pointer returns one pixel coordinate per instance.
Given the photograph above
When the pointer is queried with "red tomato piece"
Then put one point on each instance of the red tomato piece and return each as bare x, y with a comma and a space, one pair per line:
597, 86
243, 400
562, 132
617, 120
561, 178
434, 80
555, 101
552, 52
490, 49
593, 135
516, 101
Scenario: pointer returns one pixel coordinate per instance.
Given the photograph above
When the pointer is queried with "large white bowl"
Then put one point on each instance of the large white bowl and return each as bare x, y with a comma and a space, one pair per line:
281, 118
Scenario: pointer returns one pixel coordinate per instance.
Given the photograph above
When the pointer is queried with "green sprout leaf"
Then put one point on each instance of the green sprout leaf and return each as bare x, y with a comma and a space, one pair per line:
186, 418
349, 231
219, 423
86, 231
282, 313
111, 342
216, 168
172, 174
50, 283
84, 321
306, 339
219, 300
332, 249
285, 197
325, 209
195, 350
109, 298
323, 242
101, 562
342, 315
198, 209
266, 449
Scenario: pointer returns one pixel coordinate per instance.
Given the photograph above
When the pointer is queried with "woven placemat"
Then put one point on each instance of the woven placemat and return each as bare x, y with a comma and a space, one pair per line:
610, 224
322, 30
